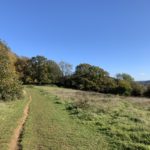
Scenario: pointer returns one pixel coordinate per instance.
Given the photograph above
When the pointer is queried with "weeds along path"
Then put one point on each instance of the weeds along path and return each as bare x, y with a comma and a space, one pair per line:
15, 140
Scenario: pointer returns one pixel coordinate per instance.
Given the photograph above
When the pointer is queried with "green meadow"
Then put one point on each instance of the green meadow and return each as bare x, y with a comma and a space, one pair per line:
65, 119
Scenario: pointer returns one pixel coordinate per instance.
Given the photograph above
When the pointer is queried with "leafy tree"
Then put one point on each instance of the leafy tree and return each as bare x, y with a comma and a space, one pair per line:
127, 85
147, 91
90, 77
109, 85
38, 70
124, 88
82, 70
125, 76
137, 89
54, 72
22, 65
10, 87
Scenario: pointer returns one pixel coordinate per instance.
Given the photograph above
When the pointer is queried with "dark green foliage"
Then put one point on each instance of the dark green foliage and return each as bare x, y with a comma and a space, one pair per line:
137, 89
82, 70
124, 88
10, 87
38, 66
22, 67
54, 72
89, 77
147, 92
92, 78
127, 86
38, 70
125, 77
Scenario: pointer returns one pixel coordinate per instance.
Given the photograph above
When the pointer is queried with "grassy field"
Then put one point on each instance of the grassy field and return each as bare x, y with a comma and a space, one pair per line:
123, 122
10, 112
49, 127
65, 119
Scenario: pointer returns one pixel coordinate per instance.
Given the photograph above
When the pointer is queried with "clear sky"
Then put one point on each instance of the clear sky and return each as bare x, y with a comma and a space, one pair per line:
112, 34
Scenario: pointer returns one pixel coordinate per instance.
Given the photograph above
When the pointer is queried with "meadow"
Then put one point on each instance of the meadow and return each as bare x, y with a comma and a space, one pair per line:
66, 119
10, 113
50, 127
124, 122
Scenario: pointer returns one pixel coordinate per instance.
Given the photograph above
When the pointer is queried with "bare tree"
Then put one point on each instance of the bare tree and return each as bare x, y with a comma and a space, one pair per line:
66, 68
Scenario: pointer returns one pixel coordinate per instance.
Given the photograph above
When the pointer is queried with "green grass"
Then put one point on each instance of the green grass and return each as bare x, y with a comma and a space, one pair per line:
49, 127
10, 112
65, 119
123, 122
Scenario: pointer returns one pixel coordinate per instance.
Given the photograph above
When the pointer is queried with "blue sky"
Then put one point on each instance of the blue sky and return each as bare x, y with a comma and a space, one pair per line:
112, 34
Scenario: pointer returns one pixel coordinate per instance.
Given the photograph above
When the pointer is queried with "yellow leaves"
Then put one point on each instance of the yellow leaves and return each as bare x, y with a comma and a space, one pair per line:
10, 87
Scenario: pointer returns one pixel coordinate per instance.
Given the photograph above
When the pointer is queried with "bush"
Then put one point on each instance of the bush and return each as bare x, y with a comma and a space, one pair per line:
137, 89
147, 92
10, 86
124, 88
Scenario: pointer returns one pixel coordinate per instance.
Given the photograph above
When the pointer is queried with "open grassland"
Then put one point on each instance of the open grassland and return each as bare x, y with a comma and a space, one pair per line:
10, 113
123, 122
65, 119
49, 127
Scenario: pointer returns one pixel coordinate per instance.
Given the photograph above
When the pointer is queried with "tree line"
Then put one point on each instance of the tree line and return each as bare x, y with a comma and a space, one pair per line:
15, 71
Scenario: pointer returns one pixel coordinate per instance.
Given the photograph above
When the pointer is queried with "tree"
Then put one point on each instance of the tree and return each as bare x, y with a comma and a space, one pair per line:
124, 88
54, 72
147, 91
127, 85
22, 65
66, 68
125, 76
38, 70
90, 77
137, 89
82, 70
10, 87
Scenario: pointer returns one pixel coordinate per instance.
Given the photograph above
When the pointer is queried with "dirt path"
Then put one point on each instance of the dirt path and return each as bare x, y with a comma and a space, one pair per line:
14, 143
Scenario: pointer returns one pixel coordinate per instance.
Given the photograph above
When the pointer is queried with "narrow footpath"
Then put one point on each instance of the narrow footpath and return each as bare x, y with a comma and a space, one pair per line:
15, 140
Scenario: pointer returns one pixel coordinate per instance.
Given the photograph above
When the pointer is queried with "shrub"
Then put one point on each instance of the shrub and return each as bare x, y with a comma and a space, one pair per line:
137, 89
124, 88
10, 86
147, 92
